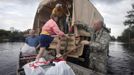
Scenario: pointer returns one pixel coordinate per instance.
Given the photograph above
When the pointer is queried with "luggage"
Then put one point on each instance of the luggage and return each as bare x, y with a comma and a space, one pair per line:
28, 50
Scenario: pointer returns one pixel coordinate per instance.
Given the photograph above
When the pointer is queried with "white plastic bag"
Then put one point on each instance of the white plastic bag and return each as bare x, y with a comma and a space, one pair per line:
28, 50
60, 68
36, 71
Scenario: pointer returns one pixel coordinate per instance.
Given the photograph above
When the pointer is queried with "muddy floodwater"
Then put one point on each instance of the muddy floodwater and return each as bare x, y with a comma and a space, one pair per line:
121, 58
8, 57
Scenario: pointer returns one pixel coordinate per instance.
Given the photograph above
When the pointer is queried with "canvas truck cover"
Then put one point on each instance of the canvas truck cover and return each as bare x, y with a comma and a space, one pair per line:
85, 12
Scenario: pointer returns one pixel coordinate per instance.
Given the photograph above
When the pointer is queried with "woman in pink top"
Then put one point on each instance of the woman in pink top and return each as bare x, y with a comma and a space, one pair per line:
49, 30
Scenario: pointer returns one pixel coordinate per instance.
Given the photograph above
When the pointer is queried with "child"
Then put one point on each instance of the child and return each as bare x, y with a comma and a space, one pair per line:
46, 37
63, 15
58, 10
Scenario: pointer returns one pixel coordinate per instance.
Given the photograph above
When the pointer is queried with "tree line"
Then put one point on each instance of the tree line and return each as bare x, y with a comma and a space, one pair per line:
12, 36
128, 33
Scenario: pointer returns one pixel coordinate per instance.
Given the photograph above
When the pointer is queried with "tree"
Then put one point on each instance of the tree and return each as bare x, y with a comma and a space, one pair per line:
127, 34
130, 18
113, 38
14, 36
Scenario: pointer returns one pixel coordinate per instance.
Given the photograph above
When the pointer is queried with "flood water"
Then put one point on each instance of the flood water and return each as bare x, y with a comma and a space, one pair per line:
9, 57
121, 60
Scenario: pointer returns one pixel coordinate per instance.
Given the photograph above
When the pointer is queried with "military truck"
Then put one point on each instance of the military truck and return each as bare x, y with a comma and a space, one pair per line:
82, 14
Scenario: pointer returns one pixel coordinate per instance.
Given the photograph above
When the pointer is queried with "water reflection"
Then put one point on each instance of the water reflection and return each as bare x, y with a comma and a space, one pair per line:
121, 59
8, 57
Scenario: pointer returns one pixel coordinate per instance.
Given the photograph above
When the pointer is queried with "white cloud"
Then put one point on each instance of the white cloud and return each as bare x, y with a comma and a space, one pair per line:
17, 13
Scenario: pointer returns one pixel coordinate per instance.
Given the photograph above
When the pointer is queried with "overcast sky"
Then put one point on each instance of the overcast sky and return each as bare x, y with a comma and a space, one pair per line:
20, 13
114, 12
17, 13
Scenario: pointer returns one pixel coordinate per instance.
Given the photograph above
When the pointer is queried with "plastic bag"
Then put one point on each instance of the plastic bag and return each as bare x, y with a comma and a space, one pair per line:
28, 50
60, 68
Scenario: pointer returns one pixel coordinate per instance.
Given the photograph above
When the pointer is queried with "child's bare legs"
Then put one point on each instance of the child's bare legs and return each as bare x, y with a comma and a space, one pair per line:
58, 48
41, 52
